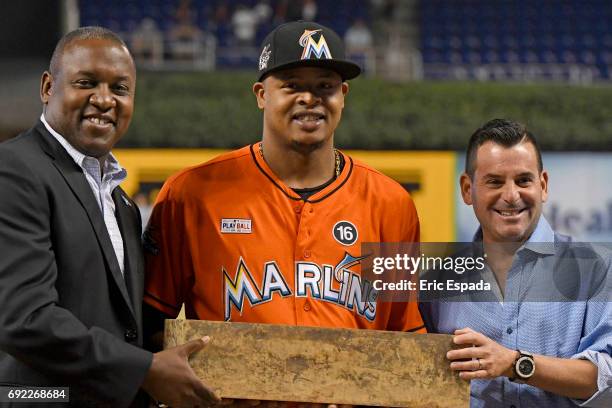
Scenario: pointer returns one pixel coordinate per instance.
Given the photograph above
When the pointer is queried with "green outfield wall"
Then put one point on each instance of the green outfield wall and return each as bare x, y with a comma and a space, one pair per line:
218, 110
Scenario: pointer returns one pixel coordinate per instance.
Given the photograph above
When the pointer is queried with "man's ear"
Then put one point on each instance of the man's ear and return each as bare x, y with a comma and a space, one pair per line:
465, 183
259, 91
544, 183
345, 88
46, 82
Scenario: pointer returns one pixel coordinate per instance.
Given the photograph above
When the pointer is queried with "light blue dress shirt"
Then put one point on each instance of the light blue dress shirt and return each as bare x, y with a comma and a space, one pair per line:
102, 184
567, 329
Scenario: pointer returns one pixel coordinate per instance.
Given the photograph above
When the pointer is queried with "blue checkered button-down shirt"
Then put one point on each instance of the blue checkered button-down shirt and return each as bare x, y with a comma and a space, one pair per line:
102, 185
566, 329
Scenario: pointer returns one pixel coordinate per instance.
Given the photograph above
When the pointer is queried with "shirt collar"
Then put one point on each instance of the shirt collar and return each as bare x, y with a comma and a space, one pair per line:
113, 169
541, 241
111, 165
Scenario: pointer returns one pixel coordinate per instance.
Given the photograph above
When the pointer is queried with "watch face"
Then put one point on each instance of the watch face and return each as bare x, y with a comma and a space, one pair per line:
525, 367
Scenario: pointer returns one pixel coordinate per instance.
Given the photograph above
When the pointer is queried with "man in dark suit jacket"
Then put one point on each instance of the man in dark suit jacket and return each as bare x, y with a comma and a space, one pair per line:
71, 269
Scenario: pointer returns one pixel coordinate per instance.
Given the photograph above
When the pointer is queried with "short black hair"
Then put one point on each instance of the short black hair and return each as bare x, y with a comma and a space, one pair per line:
81, 33
504, 132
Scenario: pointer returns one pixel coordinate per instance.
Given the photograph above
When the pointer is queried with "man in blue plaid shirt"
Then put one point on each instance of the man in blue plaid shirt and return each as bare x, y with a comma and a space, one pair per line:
547, 340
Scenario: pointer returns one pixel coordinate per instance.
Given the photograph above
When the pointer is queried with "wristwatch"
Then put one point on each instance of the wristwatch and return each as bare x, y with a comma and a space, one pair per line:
524, 367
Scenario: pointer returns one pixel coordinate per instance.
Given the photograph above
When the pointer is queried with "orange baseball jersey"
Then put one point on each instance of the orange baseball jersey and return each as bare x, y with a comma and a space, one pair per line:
234, 243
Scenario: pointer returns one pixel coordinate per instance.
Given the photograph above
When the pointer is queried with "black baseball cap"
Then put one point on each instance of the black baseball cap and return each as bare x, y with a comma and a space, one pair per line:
304, 43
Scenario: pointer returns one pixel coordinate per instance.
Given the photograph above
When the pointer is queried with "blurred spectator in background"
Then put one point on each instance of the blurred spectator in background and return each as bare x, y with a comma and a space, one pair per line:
293, 10
221, 26
358, 38
301, 10
309, 10
389, 8
244, 22
359, 45
280, 12
185, 38
148, 43
263, 10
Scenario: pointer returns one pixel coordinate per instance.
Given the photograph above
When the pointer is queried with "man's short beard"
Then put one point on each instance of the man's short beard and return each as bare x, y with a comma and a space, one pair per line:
305, 148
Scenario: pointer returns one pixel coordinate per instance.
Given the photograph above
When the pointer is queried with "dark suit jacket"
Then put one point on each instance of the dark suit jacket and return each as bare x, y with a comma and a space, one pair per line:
67, 315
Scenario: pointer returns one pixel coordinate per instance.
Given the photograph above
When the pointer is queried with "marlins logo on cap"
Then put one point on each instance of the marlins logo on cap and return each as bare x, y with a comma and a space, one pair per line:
319, 48
302, 43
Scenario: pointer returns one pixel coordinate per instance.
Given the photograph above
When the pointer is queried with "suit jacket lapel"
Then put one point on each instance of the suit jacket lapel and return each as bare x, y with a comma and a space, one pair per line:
130, 231
77, 182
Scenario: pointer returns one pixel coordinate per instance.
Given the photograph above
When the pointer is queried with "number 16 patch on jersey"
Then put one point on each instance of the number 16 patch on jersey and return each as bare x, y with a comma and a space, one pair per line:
345, 233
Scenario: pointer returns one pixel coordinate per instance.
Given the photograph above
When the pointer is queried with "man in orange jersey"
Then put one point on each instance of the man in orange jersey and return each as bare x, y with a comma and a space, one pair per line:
271, 232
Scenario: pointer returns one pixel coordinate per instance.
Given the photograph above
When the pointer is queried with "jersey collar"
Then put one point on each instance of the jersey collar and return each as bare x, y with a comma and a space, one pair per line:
287, 191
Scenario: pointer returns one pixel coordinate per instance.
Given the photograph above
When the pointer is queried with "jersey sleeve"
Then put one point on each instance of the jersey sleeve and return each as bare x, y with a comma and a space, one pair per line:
410, 226
169, 269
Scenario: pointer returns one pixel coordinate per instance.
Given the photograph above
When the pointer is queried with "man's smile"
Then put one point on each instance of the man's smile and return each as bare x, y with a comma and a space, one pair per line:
99, 121
308, 120
510, 213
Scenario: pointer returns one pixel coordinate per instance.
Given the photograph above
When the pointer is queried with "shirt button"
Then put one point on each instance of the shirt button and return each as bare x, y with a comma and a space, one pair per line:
307, 253
307, 307
509, 330
131, 334
298, 210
